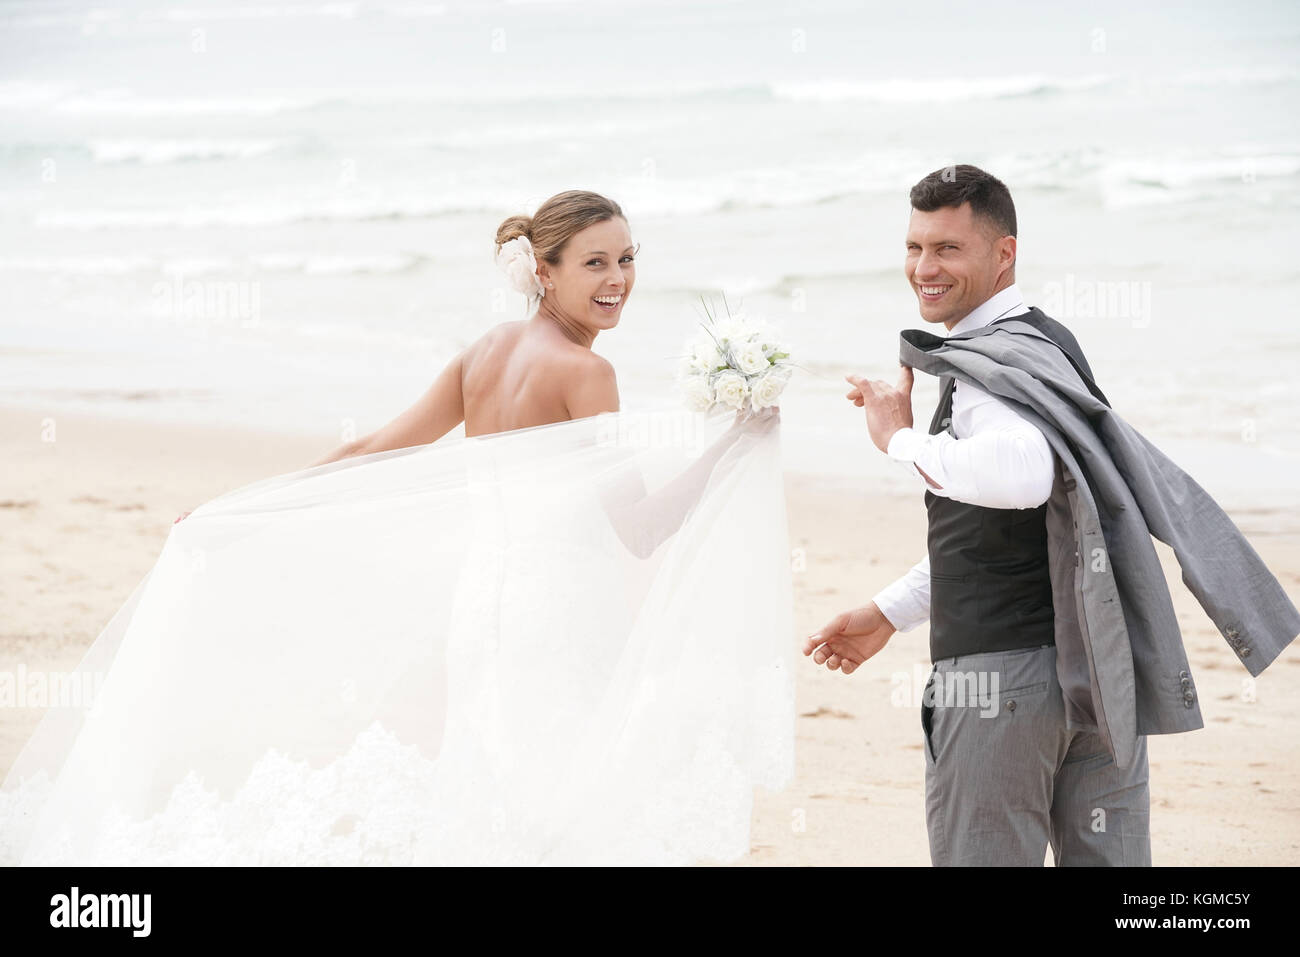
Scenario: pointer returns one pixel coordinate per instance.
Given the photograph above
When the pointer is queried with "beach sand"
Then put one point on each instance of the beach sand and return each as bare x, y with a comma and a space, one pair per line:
86, 504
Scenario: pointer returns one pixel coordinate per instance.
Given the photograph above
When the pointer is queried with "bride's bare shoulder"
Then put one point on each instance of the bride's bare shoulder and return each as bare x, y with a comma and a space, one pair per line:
539, 351
586, 382
576, 369
500, 334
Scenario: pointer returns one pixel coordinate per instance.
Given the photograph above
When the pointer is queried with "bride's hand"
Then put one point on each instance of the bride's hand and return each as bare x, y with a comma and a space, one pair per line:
756, 423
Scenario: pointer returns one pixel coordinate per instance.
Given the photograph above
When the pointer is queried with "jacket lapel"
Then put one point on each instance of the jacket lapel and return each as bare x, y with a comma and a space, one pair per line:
937, 423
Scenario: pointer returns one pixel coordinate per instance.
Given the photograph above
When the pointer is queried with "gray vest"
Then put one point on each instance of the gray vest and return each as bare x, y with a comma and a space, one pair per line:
990, 588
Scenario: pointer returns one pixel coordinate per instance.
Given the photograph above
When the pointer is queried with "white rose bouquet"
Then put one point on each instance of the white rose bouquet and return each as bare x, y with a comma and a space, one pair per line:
735, 364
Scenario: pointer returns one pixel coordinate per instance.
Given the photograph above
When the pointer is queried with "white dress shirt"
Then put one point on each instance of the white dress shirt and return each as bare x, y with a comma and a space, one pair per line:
998, 460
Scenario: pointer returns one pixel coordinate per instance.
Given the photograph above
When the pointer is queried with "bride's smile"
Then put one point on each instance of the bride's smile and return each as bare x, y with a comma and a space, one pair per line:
610, 303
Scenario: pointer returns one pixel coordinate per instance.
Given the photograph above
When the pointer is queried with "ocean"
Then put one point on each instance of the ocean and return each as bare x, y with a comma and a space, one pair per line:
281, 215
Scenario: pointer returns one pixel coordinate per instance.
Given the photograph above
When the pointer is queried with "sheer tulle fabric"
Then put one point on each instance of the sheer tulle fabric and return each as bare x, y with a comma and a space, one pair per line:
560, 645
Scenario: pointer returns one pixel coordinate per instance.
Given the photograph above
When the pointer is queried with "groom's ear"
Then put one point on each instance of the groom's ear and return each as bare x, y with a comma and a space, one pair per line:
1006, 250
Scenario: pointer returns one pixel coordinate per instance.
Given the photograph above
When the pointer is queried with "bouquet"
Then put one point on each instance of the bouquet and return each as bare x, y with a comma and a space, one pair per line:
736, 363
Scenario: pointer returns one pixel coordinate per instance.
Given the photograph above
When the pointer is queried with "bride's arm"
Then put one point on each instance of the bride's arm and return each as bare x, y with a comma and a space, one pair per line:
433, 415
644, 521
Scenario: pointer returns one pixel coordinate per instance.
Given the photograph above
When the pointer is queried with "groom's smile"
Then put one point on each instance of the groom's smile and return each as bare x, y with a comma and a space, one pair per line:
931, 293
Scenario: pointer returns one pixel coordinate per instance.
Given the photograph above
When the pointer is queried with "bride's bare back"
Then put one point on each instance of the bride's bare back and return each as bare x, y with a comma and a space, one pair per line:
516, 375
522, 374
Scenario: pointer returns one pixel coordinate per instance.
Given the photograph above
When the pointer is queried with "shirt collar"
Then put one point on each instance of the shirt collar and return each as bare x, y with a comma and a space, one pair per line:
1007, 302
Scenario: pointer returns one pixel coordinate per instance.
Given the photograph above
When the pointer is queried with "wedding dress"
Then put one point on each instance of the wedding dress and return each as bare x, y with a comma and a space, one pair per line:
568, 644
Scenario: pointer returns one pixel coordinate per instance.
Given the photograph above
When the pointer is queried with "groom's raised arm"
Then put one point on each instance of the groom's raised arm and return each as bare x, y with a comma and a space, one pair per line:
1004, 462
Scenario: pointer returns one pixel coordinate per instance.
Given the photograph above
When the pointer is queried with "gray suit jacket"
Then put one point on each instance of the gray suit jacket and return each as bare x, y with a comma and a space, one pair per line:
1120, 657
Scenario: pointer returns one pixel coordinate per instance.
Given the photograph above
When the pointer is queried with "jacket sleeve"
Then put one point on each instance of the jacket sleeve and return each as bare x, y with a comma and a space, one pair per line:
1219, 566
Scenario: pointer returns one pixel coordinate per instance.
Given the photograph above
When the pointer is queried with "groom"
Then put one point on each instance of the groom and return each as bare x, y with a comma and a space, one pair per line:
1047, 602
1006, 775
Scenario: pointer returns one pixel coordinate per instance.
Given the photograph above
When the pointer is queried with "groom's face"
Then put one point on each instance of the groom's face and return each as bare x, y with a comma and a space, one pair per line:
955, 262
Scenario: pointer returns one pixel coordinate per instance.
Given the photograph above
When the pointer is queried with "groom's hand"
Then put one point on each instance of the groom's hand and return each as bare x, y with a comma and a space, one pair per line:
850, 639
889, 407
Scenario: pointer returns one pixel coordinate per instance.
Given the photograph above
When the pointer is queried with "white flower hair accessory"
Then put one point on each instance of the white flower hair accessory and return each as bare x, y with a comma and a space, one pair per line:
516, 260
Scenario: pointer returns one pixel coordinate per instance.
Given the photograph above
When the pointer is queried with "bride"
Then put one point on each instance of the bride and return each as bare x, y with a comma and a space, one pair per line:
560, 639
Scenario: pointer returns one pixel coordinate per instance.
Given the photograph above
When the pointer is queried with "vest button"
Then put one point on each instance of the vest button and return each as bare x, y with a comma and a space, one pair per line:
1011, 705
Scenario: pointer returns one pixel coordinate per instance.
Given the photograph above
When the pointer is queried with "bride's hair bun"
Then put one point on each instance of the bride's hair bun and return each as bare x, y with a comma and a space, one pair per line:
514, 227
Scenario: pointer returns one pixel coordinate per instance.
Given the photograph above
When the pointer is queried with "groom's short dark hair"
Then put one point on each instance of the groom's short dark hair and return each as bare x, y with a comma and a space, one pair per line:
989, 198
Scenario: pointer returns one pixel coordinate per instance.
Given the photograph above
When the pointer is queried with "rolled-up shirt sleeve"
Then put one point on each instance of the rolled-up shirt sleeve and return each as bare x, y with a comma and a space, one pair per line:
1006, 461
906, 603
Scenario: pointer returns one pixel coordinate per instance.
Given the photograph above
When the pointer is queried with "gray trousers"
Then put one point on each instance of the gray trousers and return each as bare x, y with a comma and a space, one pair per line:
1004, 777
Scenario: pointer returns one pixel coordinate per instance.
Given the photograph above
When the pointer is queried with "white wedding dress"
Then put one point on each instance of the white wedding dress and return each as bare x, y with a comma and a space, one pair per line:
561, 645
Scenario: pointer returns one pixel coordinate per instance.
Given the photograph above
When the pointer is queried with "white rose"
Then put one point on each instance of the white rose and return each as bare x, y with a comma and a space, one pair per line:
768, 387
750, 358
706, 356
731, 388
770, 340
730, 329
698, 393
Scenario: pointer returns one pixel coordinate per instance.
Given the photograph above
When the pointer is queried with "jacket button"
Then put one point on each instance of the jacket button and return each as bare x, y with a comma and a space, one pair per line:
1187, 703
1188, 696
1011, 705
1231, 632
1183, 675
1245, 651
